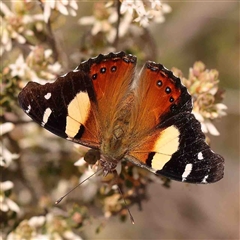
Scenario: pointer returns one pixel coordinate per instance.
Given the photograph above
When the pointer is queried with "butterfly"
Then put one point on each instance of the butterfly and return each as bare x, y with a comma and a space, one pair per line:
143, 118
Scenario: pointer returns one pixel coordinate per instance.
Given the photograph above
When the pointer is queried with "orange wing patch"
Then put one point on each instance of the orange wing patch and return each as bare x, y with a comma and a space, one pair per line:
156, 94
112, 86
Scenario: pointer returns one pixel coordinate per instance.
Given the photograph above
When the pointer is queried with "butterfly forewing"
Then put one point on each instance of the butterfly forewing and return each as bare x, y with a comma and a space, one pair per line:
65, 107
111, 76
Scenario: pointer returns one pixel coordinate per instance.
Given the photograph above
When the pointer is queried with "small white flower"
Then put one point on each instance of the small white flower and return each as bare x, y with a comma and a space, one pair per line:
206, 124
127, 6
70, 235
155, 4
166, 8
143, 19
61, 8
88, 20
47, 11
90, 187
5, 10
6, 204
65, 7
143, 15
19, 67
6, 157
140, 9
221, 109
48, 53
211, 128
5, 186
80, 162
6, 127
36, 221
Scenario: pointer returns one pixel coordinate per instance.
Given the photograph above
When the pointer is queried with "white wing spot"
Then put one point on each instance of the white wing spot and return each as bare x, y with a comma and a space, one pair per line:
200, 156
28, 109
187, 171
205, 179
48, 95
46, 116
64, 75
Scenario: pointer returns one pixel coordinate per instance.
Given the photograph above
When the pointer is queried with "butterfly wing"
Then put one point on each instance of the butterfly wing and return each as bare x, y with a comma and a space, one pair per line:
167, 139
76, 106
64, 107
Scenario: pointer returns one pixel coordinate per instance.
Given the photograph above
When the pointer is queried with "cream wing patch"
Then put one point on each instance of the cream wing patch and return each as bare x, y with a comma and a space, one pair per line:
166, 144
78, 111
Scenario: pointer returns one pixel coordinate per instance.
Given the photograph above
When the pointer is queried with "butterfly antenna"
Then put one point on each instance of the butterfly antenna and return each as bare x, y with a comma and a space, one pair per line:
61, 198
130, 215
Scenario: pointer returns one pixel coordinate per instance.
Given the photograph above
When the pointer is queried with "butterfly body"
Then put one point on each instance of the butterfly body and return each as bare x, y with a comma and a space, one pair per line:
144, 119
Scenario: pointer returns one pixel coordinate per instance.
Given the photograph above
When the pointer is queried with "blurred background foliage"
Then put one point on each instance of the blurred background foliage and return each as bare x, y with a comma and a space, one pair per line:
37, 168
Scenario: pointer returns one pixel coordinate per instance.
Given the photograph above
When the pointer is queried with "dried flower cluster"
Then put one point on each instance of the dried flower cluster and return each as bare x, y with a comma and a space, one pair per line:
202, 84
30, 52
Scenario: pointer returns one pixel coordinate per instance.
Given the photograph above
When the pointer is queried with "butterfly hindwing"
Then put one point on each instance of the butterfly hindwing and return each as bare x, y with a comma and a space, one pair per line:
193, 161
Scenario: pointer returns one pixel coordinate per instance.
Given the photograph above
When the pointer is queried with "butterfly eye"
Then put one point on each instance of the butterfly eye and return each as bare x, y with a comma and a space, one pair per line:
168, 90
113, 69
159, 83
171, 99
102, 70
94, 76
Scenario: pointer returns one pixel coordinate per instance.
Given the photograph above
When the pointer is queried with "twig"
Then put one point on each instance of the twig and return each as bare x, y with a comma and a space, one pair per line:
115, 43
50, 36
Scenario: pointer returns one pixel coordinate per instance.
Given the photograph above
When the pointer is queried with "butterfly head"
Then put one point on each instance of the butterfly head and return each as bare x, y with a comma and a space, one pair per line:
107, 163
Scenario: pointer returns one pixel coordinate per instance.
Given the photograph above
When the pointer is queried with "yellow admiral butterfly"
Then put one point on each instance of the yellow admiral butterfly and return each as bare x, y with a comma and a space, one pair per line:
146, 120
